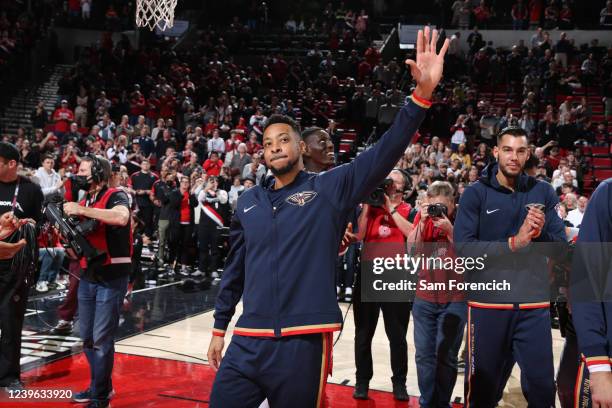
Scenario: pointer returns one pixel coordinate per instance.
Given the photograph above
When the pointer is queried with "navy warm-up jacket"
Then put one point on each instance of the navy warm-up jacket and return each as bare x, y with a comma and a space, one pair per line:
488, 215
282, 260
591, 279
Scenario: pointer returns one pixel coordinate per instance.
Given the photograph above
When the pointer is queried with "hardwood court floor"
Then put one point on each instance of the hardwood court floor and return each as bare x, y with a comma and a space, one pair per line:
161, 357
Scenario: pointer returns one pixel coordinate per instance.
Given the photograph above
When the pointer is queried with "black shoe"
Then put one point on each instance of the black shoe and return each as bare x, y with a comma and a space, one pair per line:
63, 328
14, 386
85, 396
400, 393
361, 391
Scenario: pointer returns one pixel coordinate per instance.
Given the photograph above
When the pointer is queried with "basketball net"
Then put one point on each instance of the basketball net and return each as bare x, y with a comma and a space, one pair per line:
155, 14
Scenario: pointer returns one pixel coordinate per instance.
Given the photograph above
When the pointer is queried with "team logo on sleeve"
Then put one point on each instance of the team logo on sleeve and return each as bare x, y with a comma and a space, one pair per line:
302, 198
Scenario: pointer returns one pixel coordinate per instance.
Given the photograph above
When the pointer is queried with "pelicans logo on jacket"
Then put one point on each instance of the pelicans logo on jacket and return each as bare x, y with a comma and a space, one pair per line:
302, 198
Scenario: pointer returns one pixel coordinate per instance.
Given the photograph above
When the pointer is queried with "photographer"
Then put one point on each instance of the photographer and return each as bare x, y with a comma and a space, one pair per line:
103, 285
439, 316
386, 224
19, 199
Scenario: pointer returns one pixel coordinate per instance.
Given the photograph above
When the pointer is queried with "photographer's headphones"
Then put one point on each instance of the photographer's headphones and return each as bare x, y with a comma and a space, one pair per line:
407, 180
97, 171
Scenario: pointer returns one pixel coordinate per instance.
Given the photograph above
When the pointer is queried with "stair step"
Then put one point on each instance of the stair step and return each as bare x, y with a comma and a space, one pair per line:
17, 113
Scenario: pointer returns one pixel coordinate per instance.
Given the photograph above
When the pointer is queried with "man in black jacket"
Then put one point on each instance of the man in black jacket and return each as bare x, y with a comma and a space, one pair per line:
23, 199
167, 193
142, 182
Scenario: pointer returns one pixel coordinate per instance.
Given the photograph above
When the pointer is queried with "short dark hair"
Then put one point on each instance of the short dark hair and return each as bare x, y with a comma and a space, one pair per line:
514, 131
9, 151
105, 170
284, 119
311, 131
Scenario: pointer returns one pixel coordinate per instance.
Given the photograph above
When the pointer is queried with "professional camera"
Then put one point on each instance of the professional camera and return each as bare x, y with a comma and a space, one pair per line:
377, 197
437, 210
74, 231
83, 227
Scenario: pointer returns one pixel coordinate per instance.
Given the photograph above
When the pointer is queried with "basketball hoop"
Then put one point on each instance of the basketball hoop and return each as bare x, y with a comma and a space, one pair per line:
155, 14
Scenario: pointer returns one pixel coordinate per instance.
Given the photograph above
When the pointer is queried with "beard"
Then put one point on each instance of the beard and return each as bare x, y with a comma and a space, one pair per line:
285, 169
509, 173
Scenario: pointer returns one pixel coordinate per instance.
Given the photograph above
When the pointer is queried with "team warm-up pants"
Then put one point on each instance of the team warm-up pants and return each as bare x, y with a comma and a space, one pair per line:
496, 339
573, 375
289, 371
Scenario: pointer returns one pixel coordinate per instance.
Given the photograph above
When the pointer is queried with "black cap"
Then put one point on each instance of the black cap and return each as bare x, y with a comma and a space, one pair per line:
9, 151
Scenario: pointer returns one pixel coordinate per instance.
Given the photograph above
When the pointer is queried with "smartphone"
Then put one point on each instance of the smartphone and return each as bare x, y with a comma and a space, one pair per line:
538, 206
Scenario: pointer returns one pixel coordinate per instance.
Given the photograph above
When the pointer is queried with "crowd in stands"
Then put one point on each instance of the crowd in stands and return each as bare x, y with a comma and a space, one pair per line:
19, 32
524, 14
108, 15
184, 127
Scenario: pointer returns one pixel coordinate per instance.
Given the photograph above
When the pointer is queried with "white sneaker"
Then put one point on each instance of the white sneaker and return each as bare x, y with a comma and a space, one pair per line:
197, 273
184, 271
214, 275
348, 291
42, 287
59, 286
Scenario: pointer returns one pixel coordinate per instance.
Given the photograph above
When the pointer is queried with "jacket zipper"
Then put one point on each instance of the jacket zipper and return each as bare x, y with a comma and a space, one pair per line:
275, 275
274, 293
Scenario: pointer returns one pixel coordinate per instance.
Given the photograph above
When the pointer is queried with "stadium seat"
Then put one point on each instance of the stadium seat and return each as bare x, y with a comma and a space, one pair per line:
601, 151
602, 174
602, 162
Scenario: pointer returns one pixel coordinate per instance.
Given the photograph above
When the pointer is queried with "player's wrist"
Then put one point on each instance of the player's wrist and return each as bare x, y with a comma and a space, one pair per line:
422, 96
517, 242
218, 333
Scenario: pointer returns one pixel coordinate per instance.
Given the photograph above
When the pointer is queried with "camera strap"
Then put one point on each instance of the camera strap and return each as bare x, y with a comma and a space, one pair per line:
14, 202
92, 199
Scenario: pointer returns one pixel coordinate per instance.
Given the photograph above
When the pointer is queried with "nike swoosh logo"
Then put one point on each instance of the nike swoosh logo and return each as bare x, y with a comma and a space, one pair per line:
246, 210
492, 211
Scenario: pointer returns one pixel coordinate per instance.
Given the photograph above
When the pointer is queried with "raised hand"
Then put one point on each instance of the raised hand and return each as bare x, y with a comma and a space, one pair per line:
428, 67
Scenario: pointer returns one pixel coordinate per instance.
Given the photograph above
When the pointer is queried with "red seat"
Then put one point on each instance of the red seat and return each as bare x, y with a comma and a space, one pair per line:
600, 150
602, 162
588, 184
345, 147
602, 174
